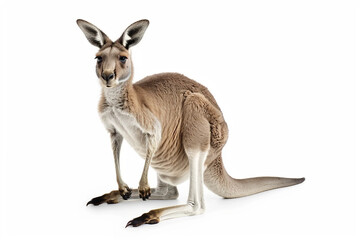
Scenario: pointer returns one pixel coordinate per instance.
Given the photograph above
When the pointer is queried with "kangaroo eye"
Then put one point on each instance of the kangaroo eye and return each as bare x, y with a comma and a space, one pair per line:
122, 59
98, 59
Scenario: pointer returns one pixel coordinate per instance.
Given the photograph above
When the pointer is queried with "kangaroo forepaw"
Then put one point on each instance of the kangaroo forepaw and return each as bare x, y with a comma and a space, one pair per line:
110, 198
144, 192
125, 192
146, 218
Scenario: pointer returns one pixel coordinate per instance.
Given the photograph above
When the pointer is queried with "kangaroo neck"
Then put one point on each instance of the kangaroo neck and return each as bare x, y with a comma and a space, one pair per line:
122, 96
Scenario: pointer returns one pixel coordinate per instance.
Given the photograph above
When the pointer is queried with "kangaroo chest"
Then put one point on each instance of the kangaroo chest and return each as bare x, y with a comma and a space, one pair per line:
170, 163
127, 126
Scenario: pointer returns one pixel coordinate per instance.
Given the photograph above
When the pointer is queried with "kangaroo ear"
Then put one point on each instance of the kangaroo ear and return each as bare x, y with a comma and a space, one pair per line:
134, 33
95, 36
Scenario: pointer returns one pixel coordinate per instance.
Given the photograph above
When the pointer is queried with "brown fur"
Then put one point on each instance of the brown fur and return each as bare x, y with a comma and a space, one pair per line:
193, 130
164, 95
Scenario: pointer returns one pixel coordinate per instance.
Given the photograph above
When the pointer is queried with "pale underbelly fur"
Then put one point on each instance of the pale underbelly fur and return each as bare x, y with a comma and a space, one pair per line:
132, 132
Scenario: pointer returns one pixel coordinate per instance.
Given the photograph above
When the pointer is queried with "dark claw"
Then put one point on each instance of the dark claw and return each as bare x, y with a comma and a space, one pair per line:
131, 223
144, 195
97, 201
143, 219
127, 195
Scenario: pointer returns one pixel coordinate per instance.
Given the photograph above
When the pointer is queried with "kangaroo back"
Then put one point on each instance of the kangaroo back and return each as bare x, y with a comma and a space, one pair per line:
220, 182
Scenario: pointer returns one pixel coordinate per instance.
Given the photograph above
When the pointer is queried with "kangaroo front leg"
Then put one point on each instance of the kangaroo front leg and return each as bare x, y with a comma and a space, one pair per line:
144, 188
124, 191
116, 142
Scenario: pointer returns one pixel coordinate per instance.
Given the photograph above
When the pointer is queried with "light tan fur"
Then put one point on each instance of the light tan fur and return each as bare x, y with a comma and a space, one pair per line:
173, 122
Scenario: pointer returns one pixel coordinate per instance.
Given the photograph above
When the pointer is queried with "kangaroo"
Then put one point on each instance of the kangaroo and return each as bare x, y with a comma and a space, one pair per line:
171, 121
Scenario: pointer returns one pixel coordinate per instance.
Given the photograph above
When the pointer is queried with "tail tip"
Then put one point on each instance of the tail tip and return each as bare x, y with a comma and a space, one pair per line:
300, 180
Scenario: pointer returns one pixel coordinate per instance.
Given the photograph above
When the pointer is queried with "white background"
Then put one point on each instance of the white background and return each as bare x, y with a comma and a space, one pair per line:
283, 72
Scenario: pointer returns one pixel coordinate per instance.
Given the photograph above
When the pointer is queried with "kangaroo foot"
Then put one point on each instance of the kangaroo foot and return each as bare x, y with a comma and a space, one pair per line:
110, 198
146, 218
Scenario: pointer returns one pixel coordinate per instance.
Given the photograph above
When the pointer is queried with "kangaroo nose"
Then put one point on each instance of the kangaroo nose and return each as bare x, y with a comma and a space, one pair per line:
107, 76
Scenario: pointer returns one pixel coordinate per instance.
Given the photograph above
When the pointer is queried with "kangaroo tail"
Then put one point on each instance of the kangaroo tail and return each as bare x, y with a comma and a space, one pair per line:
218, 181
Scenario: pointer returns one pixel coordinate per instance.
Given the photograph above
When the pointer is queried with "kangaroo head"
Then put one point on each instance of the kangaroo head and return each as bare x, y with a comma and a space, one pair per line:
114, 65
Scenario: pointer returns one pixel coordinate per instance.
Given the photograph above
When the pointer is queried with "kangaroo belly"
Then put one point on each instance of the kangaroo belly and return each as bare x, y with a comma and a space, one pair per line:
172, 168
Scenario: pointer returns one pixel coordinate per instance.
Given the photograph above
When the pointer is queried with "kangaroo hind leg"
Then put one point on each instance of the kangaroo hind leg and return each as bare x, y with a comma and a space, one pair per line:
196, 143
195, 203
